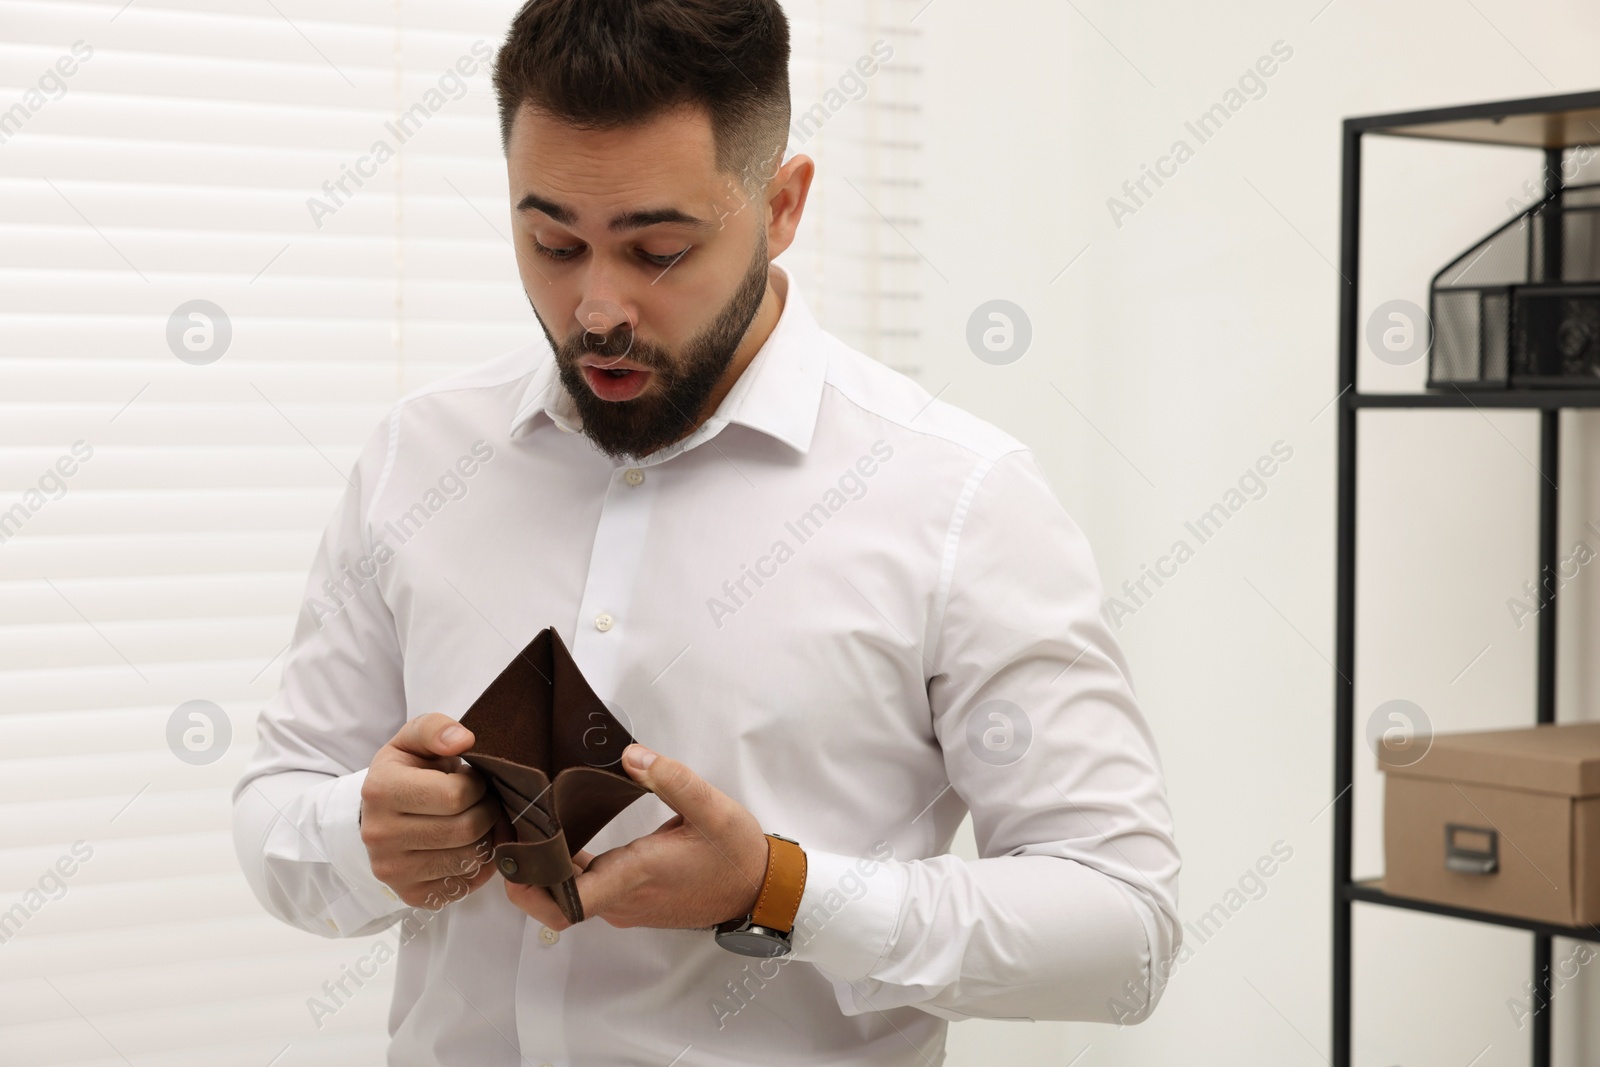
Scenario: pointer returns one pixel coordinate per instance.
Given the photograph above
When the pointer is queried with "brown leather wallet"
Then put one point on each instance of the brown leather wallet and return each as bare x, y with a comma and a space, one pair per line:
550, 750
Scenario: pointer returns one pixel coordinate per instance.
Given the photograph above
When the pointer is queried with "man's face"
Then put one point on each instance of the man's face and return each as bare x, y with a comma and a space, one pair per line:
644, 265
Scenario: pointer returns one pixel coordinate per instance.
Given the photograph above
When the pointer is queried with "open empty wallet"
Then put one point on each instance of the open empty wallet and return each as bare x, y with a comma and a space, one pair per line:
551, 751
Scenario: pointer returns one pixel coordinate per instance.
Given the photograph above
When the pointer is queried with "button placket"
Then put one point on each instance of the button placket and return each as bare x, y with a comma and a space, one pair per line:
614, 562
540, 999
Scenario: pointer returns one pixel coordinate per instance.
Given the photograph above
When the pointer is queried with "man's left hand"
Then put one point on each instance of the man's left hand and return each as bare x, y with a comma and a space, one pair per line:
700, 867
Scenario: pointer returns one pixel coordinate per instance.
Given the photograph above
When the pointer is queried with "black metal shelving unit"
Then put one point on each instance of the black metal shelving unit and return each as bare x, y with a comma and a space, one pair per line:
1552, 124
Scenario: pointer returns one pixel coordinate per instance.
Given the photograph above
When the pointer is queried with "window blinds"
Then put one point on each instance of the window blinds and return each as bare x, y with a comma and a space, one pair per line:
213, 283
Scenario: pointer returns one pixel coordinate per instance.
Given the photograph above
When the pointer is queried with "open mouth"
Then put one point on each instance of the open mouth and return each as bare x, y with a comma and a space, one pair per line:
618, 383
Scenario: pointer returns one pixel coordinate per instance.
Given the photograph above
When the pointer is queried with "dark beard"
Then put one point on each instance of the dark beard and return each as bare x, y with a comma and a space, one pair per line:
629, 429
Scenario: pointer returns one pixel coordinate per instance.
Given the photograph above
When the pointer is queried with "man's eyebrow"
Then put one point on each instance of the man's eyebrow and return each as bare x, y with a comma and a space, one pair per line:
535, 202
638, 220
628, 220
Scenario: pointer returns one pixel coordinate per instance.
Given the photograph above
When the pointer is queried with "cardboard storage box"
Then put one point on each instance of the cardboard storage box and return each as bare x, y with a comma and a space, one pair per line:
1505, 821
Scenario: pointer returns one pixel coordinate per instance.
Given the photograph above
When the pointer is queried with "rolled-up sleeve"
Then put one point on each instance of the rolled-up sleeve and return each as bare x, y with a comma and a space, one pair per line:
296, 808
1070, 913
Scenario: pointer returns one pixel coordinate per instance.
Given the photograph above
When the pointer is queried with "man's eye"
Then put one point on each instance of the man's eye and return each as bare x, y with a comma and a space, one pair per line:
558, 254
663, 261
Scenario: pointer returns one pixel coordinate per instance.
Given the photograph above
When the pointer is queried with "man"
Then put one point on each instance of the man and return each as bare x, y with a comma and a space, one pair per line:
830, 607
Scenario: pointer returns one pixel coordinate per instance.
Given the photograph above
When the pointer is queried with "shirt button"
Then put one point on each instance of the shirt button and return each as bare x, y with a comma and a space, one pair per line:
602, 622
634, 476
549, 936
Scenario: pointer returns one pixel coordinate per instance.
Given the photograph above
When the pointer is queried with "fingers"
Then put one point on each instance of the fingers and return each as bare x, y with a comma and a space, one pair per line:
470, 862
429, 821
684, 791
422, 790
537, 902
407, 832
417, 868
614, 876
599, 884
436, 894
428, 737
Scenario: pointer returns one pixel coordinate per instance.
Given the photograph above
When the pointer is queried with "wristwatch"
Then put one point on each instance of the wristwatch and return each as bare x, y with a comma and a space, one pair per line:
768, 930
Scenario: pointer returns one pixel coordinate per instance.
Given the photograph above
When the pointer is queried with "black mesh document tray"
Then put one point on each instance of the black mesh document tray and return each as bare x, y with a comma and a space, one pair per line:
1521, 308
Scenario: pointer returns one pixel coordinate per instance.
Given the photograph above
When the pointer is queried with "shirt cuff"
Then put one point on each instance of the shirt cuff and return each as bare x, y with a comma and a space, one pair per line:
848, 913
368, 898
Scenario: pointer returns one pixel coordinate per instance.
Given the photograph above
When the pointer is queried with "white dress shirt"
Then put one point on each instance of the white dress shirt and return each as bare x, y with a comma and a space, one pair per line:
855, 609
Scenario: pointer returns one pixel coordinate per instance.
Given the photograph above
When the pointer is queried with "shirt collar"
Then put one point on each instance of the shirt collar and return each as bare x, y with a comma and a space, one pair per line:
778, 393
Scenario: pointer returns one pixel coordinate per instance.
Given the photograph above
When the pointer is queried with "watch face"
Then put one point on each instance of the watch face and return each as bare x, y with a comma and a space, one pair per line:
754, 943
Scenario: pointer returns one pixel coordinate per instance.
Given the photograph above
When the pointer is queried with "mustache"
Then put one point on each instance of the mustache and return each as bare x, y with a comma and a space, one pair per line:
618, 341
616, 344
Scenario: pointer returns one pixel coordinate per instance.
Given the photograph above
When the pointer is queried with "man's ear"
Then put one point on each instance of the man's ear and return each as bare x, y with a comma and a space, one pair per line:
786, 202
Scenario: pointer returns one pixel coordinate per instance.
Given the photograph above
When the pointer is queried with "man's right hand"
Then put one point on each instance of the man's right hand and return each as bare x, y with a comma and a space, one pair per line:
427, 818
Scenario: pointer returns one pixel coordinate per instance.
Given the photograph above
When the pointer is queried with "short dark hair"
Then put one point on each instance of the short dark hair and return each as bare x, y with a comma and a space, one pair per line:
608, 64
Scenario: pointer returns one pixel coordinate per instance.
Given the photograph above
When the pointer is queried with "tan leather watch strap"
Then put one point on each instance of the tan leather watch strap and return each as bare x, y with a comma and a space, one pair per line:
779, 901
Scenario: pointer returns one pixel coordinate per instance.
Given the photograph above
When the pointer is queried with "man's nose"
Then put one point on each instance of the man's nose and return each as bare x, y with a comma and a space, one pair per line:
599, 317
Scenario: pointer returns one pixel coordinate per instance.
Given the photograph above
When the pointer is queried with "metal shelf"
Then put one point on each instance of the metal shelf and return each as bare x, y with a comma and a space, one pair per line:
1551, 124
1570, 120
1531, 399
1372, 892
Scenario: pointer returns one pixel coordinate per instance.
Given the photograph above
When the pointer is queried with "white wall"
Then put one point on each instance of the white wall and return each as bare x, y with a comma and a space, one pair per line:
1189, 340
